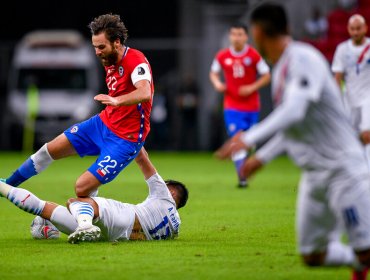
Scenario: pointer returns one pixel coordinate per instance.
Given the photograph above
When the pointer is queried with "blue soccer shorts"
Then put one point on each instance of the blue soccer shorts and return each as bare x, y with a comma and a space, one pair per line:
93, 138
237, 120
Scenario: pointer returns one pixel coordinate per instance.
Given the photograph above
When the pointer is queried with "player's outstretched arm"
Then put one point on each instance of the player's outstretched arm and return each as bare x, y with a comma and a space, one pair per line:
144, 163
269, 151
142, 93
231, 146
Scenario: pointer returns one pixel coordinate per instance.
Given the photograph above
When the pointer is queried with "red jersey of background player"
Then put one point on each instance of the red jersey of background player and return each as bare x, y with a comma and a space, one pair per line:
128, 122
240, 68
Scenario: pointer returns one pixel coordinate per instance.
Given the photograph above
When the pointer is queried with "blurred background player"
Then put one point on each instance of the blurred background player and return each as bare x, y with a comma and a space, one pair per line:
316, 26
156, 218
244, 73
351, 65
311, 125
117, 134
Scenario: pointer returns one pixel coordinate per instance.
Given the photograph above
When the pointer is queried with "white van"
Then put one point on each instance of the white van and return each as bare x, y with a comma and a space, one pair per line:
62, 67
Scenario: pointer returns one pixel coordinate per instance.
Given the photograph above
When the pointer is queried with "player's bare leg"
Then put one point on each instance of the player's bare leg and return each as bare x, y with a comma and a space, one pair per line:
86, 185
338, 254
364, 259
58, 148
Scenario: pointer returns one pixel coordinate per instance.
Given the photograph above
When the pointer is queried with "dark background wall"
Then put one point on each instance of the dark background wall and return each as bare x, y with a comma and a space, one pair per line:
143, 18
180, 39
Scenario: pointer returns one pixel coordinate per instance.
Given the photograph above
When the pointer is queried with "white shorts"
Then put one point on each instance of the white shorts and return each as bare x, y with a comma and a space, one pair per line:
360, 116
116, 219
331, 200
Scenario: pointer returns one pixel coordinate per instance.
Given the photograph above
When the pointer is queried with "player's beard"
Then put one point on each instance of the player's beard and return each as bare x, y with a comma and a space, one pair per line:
110, 58
358, 40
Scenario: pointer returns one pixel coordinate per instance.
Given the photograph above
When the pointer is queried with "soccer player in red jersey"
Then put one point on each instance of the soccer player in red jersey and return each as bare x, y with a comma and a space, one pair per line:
244, 73
117, 134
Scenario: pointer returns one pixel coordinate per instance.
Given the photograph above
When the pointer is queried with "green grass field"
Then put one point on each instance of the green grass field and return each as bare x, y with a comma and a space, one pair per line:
226, 233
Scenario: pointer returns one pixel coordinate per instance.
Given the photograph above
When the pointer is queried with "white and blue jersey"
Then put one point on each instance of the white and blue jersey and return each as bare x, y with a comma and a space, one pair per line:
158, 215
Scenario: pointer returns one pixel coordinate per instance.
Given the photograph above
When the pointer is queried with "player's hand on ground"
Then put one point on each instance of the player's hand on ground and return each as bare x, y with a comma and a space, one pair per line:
106, 99
231, 146
250, 166
246, 90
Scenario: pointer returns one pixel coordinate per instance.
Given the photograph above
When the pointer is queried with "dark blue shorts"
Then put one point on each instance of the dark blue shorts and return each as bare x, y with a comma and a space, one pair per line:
237, 120
93, 138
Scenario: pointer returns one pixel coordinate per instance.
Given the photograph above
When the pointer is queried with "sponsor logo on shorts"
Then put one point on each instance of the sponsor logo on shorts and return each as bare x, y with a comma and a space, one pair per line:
74, 129
121, 71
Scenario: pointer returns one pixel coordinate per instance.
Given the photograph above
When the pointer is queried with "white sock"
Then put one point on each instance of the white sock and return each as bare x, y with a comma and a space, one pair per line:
238, 158
63, 220
41, 159
25, 200
339, 254
83, 213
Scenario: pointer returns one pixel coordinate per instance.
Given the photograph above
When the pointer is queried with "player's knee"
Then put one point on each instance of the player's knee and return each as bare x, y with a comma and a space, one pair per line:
313, 260
81, 190
86, 184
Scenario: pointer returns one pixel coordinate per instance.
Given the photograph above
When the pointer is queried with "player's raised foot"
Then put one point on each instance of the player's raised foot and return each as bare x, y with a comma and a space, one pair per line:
360, 275
88, 234
242, 185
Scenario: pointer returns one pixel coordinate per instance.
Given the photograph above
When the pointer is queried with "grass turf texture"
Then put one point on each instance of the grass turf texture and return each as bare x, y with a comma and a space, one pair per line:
226, 233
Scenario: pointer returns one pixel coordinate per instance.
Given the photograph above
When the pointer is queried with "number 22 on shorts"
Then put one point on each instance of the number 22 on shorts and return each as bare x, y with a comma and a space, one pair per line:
107, 164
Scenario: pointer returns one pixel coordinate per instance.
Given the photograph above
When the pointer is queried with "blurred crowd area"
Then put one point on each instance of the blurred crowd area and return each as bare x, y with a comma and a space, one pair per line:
180, 42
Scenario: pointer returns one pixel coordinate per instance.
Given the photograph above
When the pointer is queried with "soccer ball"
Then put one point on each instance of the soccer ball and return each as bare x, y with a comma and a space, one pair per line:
43, 229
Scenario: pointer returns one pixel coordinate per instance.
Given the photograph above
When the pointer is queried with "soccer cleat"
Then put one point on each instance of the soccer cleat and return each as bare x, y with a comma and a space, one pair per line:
242, 185
89, 234
359, 275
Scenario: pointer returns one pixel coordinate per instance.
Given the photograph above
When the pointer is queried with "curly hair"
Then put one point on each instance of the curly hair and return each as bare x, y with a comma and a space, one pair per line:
111, 25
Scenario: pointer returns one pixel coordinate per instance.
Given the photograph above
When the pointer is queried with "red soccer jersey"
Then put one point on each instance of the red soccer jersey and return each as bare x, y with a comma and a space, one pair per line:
240, 69
128, 122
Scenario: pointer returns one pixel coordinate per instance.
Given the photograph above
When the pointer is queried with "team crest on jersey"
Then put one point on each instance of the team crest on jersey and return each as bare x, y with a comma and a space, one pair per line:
121, 70
247, 61
140, 71
74, 129
228, 61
